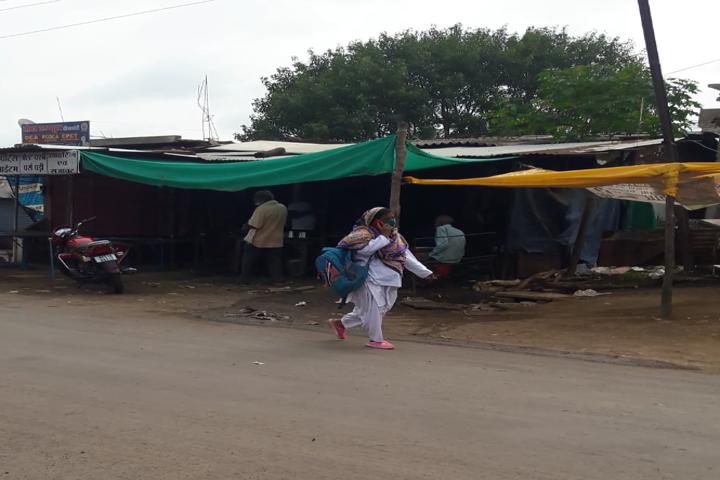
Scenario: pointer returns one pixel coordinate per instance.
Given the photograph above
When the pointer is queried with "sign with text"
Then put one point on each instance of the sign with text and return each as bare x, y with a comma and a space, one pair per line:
40, 163
63, 133
693, 195
638, 193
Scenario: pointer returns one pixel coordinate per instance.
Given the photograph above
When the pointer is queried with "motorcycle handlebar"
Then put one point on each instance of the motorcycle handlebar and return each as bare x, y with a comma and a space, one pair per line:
77, 227
85, 221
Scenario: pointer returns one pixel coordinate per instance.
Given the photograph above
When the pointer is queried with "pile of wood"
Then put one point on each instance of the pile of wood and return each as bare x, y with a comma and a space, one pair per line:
546, 286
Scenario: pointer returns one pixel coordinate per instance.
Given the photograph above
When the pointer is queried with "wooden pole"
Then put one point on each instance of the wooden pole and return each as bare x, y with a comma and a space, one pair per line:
582, 233
670, 151
396, 181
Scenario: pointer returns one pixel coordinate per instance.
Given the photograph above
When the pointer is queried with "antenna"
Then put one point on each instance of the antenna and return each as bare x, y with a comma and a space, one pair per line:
204, 103
62, 117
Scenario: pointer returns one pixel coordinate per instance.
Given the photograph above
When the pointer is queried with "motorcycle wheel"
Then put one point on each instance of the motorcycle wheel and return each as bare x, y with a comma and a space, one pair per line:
115, 284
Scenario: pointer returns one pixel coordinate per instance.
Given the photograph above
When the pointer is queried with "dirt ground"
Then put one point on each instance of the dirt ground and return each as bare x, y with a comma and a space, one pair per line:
623, 324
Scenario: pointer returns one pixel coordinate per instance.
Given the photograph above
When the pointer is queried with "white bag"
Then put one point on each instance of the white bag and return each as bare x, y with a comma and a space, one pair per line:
250, 236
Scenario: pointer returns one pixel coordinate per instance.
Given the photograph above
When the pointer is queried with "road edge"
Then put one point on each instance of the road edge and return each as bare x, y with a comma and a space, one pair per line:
496, 347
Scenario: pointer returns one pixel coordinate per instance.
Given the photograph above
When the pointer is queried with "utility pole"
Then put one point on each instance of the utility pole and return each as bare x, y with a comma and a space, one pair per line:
710, 123
716, 86
670, 151
396, 180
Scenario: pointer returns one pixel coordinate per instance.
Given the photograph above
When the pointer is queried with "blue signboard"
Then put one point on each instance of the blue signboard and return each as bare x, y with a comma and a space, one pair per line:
30, 189
31, 196
61, 133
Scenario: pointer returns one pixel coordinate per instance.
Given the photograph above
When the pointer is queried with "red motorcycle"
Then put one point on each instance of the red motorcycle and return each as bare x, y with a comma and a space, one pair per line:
87, 260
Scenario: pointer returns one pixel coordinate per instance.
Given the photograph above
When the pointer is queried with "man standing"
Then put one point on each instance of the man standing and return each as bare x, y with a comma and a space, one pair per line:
265, 238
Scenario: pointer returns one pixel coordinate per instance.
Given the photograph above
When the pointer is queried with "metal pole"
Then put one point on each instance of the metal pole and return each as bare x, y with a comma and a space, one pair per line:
670, 151
16, 217
396, 181
70, 200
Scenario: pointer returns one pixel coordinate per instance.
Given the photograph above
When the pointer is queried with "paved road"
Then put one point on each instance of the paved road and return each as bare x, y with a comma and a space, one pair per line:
87, 396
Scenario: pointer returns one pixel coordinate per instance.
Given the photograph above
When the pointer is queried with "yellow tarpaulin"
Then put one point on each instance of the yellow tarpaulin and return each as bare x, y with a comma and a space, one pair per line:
692, 184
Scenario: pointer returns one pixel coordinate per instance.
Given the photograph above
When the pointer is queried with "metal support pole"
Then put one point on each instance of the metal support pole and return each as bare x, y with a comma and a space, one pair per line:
16, 218
70, 200
52, 259
16, 214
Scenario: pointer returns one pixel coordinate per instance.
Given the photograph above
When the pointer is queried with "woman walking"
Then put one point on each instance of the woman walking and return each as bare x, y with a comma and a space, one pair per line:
376, 243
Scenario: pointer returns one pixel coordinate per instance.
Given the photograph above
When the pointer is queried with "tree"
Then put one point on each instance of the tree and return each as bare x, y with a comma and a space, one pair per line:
444, 82
586, 102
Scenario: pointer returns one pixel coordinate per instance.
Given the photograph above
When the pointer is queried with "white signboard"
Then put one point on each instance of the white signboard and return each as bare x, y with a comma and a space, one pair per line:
692, 195
40, 163
626, 191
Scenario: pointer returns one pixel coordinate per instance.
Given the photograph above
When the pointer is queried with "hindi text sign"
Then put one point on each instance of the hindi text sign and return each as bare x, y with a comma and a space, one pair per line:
40, 163
62, 133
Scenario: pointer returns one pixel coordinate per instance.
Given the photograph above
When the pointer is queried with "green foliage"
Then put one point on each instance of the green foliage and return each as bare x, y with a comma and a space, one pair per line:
444, 82
586, 102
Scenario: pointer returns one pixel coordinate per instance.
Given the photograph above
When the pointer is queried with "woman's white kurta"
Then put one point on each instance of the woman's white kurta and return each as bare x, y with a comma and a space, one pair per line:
379, 294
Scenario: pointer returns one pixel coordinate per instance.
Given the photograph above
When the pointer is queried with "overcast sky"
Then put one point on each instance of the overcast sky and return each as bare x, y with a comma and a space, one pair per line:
139, 76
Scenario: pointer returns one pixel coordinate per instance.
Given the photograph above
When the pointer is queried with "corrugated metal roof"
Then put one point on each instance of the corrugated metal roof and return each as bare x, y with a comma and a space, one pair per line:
293, 148
39, 148
586, 148
230, 157
506, 141
227, 153
245, 151
484, 141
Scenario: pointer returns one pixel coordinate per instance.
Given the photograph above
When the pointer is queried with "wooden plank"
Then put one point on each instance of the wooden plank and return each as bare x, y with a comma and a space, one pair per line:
541, 296
528, 281
422, 304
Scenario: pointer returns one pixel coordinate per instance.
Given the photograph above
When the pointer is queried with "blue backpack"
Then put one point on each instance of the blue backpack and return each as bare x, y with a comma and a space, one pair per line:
337, 271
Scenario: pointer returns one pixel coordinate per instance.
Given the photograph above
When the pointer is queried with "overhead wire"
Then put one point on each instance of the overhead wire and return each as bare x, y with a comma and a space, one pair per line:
694, 66
28, 6
107, 19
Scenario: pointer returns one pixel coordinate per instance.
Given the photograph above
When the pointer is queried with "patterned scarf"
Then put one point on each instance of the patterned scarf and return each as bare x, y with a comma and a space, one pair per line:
392, 255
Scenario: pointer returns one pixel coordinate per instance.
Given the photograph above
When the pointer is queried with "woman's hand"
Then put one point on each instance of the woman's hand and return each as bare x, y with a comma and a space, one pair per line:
432, 276
386, 230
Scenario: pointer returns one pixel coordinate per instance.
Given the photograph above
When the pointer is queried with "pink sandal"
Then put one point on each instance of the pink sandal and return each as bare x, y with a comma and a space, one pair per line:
381, 345
340, 331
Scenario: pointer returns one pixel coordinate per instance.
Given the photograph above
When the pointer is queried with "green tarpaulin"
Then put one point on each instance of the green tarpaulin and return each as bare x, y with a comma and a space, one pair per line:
370, 158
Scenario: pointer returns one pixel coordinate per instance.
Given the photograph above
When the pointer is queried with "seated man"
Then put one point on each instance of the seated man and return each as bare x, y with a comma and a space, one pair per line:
449, 242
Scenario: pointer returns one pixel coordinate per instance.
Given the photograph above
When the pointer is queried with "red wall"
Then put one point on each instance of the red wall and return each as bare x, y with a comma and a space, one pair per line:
122, 208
